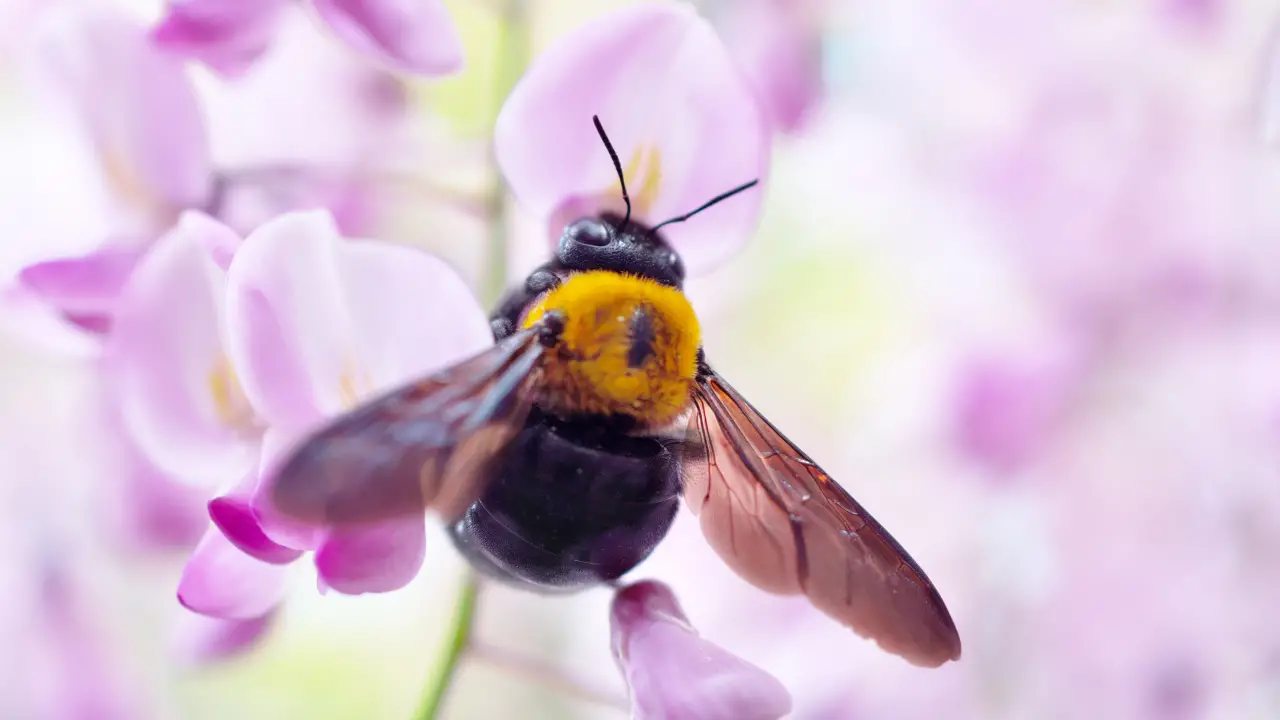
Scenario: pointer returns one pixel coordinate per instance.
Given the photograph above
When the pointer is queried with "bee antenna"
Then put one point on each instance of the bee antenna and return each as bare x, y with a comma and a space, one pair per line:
722, 196
617, 165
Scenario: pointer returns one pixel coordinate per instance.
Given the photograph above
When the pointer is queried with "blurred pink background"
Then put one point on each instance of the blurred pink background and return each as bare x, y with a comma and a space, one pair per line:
1016, 285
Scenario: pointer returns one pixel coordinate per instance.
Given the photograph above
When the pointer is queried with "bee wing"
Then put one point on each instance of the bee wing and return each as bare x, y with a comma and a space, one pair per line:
429, 444
781, 523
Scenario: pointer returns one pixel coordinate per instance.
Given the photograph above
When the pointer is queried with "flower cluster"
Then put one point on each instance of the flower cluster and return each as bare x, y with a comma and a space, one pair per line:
220, 338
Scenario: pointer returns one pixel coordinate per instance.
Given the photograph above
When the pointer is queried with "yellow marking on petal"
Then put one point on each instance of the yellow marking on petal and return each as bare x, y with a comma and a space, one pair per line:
643, 173
229, 401
649, 189
354, 384
124, 182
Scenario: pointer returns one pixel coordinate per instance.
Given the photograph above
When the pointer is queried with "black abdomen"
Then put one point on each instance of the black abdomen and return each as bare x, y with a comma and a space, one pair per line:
576, 503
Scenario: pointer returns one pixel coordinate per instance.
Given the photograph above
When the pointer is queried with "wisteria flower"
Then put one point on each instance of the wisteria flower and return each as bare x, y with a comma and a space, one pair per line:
230, 35
312, 324
139, 112
673, 673
778, 43
678, 110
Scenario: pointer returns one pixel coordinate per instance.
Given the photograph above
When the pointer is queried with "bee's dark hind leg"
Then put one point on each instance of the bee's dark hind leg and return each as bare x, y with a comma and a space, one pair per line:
506, 318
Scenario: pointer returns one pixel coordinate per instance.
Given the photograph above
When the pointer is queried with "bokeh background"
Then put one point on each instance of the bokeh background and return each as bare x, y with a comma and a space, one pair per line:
1016, 286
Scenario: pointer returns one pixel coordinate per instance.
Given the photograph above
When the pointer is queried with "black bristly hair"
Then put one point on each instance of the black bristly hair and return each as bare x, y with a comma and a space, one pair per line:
617, 165
722, 196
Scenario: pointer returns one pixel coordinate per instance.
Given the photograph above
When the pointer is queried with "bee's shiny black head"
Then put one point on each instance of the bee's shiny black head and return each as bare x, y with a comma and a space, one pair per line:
610, 242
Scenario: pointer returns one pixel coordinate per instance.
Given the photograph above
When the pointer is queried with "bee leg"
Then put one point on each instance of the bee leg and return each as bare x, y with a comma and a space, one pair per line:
506, 318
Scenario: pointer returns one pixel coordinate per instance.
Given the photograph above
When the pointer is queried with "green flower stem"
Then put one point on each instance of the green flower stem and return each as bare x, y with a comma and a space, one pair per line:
513, 54
454, 651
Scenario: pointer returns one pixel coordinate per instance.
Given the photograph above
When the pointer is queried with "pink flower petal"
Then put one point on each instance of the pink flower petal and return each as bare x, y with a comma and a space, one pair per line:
779, 45
277, 526
201, 639
222, 582
660, 80
674, 674
413, 35
140, 108
86, 285
411, 313
316, 323
177, 394
375, 559
234, 516
226, 35
285, 322
153, 510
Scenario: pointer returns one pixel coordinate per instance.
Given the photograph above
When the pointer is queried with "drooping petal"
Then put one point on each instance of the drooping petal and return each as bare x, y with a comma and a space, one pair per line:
379, 558
674, 673
416, 36
226, 35
682, 117
222, 582
85, 288
139, 106
178, 394
201, 639
316, 323
233, 515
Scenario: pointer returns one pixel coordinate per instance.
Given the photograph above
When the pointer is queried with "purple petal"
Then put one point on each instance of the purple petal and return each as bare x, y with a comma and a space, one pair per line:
222, 582
284, 321
234, 516
375, 559
177, 391
202, 639
226, 35
675, 107
316, 323
153, 509
780, 48
85, 285
675, 674
413, 35
140, 108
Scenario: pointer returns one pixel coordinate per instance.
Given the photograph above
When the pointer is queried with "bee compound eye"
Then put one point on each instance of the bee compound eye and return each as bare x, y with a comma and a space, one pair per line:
590, 231
676, 264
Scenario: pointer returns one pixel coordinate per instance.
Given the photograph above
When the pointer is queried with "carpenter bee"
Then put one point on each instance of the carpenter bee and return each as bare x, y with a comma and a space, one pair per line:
558, 456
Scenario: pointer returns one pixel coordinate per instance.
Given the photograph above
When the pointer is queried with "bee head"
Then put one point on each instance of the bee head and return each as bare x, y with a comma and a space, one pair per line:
611, 242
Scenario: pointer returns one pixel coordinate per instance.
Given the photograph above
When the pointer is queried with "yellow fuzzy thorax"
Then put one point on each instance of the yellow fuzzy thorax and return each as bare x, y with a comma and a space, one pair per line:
629, 347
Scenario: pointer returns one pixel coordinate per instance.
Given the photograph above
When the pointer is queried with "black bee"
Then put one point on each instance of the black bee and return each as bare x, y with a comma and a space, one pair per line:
558, 456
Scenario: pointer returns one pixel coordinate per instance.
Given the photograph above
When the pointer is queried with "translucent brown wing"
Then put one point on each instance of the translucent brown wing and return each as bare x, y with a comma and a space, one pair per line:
785, 526
428, 444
